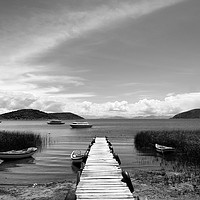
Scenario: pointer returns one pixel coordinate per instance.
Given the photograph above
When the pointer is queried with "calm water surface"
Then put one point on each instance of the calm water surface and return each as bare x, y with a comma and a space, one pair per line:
52, 162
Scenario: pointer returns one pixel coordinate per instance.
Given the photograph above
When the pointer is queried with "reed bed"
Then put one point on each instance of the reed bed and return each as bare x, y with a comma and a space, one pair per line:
16, 140
184, 173
186, 143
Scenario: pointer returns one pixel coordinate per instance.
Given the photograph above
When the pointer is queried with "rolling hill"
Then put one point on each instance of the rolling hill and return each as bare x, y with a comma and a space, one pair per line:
32, 114
191, 114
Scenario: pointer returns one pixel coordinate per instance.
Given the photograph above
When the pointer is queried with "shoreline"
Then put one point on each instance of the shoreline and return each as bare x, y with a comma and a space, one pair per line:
149, 185
160, 185
48, 191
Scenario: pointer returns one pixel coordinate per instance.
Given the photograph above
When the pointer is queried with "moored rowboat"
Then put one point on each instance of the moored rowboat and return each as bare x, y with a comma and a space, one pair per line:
164, 149
19, 154
76, 156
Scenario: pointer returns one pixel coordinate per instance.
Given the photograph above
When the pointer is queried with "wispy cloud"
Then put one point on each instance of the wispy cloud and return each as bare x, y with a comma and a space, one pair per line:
131, 84
53, 79
76, 24
47, 30
36, 82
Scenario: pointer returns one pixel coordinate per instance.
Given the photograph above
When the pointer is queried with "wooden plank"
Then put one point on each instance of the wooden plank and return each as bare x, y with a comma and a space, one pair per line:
102, 174
104, 190
101, 167
99, 192
101, 186
107, 168
100, 195
109, 198
100, 177
101, 181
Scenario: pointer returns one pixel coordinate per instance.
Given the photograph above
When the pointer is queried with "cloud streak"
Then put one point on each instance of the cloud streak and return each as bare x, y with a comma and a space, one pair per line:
76, 24
47, 30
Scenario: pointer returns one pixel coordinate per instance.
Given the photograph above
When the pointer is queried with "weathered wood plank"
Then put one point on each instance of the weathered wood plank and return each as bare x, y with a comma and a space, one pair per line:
114, 198
109, 198
104, 190
99, 196
102, 174
101, 167
100, 186
102, 182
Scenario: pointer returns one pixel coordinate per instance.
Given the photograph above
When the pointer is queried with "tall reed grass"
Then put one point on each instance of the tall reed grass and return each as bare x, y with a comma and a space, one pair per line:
16, 140
185, 142
185, 161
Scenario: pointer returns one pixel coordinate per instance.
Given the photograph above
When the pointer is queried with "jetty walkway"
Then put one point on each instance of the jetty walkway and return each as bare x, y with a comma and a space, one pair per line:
101, 177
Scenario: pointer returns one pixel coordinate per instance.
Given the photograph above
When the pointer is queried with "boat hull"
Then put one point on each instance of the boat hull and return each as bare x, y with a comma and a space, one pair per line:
80, 126
164, 149
55, 123
15, 156
76, 158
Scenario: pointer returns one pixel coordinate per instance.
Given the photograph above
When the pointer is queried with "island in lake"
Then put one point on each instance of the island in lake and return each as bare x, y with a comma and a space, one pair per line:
32, 114
191, 114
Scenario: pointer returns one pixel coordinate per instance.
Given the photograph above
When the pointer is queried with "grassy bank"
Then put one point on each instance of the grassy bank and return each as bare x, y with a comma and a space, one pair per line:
187, 143
179, 174
17, 140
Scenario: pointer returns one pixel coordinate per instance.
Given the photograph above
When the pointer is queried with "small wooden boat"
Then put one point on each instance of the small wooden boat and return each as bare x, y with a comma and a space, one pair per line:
81, 125
19, 154
55, 122
76, 156
164, 149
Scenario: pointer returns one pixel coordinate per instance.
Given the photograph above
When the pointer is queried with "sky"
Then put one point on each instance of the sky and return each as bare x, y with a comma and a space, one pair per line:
100, 58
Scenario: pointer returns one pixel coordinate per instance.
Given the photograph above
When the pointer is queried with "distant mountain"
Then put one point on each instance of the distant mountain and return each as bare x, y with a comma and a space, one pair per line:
128, 117
151, 117
116, 117
32, 114
65, 115
191, 114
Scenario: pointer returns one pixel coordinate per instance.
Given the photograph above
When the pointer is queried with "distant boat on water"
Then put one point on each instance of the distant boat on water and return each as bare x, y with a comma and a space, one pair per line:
55, 122
81, 125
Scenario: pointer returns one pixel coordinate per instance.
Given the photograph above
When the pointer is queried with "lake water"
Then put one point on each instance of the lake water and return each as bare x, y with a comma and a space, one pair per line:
52, 162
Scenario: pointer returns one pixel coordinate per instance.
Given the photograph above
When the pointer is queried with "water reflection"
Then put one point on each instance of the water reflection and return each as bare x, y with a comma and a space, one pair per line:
47, 141
5, 165
76, 167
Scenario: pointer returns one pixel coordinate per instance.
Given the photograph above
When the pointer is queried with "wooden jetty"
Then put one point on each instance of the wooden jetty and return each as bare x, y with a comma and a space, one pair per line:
101, 177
